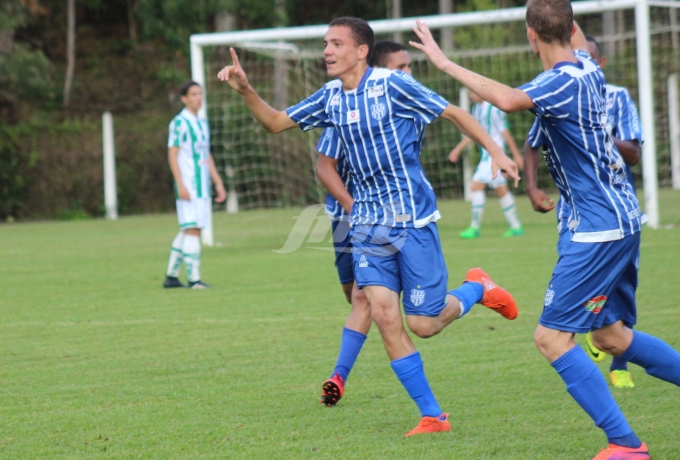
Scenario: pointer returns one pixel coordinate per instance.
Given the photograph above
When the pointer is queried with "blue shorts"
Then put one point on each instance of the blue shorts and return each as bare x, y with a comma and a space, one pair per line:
342, 242
403, 259
593, 285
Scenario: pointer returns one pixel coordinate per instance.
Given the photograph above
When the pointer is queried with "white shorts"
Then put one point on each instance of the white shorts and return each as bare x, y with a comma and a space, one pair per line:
484, 175
192, 213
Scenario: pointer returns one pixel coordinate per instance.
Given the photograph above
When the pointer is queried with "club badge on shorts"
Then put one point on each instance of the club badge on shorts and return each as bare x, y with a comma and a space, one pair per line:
417, 297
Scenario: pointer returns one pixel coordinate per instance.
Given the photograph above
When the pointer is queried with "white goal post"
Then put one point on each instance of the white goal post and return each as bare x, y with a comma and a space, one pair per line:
276, 41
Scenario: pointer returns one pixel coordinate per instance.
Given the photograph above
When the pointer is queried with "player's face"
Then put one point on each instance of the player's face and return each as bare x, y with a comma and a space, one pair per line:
194, 99
341, 51
400, 60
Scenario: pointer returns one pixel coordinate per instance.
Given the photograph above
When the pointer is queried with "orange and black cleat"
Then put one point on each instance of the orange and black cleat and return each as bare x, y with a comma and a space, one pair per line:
332, 391
431, 425
495, 297
614, 452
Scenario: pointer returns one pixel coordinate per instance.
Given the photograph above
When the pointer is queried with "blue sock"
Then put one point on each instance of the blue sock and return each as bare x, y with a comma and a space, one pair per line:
469, 293
618, 364
350, 346
411, 374
588, 387
659, 359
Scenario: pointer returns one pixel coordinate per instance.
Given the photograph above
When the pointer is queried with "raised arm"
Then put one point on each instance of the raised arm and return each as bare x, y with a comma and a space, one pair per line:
578, 39
272, 120
539, 200
330, 179
472, 129
502, 96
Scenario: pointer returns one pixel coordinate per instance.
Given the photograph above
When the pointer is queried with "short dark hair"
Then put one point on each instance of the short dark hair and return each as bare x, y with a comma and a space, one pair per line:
184, 87
552, 20
362, 34
382, 51
592, 40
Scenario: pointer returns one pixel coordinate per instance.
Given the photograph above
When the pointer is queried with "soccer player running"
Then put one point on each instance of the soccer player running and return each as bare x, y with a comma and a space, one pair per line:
605, 222
495, 122
192, 168
378, 114
334, 174
626, 133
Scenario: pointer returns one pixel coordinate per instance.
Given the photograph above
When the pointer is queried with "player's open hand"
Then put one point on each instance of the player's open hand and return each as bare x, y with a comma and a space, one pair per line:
428, 45
221, 193
234, 74
505, 164
540, 201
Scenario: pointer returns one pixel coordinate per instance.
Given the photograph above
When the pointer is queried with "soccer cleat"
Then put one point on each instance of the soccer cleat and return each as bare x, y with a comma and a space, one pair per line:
198, 285
172, 282
621, 379
470, 233
594, 352
332, 390
519, 231
431, 425
495, 297
614, 452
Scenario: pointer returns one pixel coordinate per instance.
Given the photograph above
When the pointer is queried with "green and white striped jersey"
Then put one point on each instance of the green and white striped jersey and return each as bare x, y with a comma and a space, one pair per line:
494, 121
192, 136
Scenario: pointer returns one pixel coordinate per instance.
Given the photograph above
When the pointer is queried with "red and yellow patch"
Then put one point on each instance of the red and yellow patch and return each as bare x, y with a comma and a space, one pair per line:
595, 304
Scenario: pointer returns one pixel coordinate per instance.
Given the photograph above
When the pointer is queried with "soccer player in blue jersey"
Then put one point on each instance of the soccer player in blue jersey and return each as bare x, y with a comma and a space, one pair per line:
626, 133
333, 172
378, 114
599, 262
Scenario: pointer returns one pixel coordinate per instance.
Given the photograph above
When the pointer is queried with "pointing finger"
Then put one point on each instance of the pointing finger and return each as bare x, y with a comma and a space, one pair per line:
234, 57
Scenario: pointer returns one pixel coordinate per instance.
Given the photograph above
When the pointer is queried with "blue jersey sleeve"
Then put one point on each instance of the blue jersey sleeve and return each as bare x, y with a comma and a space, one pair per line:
535, 136
410, 99
330, 144
311, 113
626, 123
552, 92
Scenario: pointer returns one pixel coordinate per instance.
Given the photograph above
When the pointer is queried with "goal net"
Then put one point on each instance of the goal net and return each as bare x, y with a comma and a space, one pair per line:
286, 65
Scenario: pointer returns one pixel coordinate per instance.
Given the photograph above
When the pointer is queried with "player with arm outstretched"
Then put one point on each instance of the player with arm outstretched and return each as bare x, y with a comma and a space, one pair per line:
626, 133
377, 114
334, 174
605, 221
496, 123
192, 168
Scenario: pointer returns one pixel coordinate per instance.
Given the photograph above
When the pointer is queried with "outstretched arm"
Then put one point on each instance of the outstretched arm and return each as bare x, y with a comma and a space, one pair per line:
539, 200
472, 129
272, 120
330, 179
502, 96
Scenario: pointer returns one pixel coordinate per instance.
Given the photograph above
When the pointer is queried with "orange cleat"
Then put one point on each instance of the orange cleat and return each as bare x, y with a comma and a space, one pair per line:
614, 452
332, 391
431, 425
495, 297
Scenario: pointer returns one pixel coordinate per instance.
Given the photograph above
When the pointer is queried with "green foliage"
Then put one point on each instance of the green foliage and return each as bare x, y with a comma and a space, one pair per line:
25, 73
16, 163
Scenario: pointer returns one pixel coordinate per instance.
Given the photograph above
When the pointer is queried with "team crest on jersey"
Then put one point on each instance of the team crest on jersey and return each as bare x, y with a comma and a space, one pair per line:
595, 304
363, 263
549, 294
378, 111
417, 297
376, 91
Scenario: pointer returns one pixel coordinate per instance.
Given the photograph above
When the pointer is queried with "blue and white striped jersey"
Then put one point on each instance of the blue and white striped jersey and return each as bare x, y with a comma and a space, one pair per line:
380, 125
623, 119
587, 168
330, 145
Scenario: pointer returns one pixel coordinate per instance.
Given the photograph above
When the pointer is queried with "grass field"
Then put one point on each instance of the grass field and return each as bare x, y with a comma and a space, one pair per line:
98, 361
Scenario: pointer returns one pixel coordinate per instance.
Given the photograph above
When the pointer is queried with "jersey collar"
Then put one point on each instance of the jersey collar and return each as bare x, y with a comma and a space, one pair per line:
578, 64
187, 114
367, 74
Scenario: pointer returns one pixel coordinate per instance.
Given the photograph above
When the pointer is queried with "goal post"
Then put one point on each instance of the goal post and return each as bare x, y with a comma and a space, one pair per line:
285, 65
